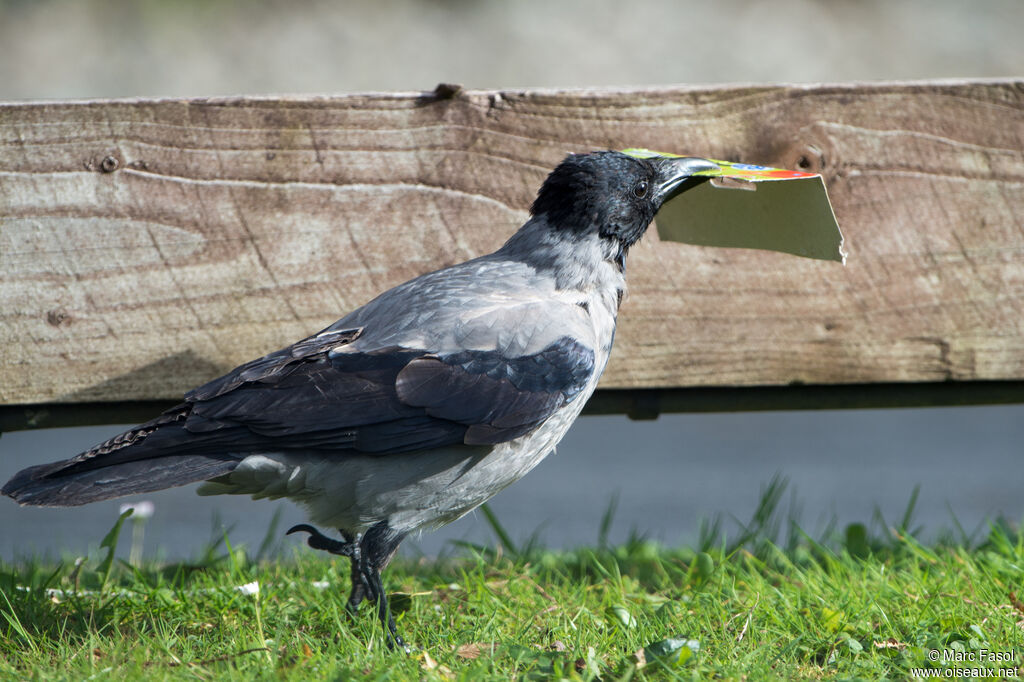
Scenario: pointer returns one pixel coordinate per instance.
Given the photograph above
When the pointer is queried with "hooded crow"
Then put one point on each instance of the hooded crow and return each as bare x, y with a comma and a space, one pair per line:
419, 406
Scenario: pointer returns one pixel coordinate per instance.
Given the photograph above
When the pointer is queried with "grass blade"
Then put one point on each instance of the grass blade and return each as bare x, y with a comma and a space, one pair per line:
503, 537
110, 544
606, 522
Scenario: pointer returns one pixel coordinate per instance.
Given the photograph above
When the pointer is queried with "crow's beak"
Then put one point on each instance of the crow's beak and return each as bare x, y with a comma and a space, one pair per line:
673, 173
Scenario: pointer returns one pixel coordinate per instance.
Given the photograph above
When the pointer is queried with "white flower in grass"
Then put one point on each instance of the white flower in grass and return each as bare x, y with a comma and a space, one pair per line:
140, 510
252, 588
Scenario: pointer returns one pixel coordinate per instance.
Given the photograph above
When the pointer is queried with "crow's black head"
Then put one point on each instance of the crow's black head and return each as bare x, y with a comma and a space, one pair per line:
611, 193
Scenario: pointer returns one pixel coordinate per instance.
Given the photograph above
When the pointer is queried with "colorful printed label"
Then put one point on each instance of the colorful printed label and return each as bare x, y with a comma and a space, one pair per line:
740, 171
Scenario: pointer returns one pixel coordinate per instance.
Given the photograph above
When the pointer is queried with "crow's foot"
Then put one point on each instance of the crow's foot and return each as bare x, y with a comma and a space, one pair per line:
318, 540
369, 554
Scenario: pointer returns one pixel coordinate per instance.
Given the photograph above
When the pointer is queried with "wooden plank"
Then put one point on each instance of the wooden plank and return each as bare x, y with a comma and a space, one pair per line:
146, 246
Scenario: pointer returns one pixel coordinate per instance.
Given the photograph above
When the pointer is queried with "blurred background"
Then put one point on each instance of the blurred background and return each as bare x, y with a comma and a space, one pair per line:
664, 476
183, 48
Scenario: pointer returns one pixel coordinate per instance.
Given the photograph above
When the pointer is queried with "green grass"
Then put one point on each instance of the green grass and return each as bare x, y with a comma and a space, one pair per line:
867, 603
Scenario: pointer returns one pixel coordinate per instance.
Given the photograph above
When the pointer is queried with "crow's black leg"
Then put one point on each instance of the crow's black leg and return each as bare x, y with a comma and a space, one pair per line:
359, 585
387, 619
350, 547
318, 540
370, 554
379, 545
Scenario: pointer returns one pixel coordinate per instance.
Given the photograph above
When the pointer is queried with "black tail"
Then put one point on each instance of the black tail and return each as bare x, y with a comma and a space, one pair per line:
149, 457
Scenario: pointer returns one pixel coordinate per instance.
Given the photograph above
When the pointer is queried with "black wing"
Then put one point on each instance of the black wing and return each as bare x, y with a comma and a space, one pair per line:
392, 400
306, 398
386, 401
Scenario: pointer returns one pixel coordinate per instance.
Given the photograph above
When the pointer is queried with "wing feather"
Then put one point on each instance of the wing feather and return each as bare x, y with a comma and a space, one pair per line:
396, 399
385, 401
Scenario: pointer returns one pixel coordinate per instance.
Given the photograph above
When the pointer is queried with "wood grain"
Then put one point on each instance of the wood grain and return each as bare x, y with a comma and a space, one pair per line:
146, 246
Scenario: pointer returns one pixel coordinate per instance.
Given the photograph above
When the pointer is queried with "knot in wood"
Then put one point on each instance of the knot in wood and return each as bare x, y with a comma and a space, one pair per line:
810, 159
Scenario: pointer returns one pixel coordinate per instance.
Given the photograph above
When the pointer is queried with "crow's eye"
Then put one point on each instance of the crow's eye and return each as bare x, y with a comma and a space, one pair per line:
640, 190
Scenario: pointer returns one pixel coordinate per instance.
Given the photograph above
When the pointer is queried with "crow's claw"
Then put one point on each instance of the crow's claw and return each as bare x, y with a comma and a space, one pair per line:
318, 540
369, 553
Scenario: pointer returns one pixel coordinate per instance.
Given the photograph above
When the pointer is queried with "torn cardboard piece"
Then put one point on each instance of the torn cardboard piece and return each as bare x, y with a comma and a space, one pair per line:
752, 207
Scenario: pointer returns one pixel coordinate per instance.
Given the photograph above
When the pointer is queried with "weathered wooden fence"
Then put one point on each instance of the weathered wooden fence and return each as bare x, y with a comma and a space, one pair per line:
146, 246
